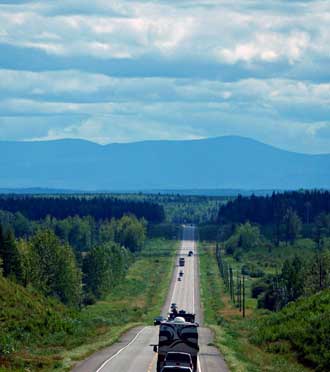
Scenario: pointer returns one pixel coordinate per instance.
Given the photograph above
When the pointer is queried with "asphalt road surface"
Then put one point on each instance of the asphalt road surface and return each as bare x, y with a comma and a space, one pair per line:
133, 352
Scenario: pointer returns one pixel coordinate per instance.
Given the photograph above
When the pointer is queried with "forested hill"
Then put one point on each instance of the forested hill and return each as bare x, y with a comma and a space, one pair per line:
224, 162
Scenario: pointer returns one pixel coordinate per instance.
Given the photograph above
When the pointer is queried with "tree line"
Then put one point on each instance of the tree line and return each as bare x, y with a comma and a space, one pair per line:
51, 259
82, 233
271, 208
281, 216
98, 207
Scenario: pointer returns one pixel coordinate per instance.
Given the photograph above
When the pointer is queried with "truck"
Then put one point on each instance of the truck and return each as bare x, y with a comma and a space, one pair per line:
181, 261
188, 317
177, 336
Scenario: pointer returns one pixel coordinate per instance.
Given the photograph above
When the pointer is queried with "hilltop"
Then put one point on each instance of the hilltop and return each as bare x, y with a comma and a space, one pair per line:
216, 163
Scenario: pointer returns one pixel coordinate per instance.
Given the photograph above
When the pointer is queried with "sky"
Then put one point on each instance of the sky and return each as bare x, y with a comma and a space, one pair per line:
124, 70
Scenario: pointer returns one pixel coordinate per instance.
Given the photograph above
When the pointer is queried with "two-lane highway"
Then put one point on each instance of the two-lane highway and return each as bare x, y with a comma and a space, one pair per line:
133, 352
183, 292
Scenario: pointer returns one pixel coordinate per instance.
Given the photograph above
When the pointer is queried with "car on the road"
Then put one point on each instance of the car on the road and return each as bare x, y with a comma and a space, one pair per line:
158, 320
178, 359
191, 253
179, 279
181, 273
176, 369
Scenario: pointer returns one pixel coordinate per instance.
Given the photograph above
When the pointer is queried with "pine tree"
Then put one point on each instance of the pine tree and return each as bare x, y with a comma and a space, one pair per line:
12, 264
1, 245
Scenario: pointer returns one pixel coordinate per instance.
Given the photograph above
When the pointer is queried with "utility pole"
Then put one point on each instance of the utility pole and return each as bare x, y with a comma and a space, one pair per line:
231, 278
243, 296
237, 287
240, 294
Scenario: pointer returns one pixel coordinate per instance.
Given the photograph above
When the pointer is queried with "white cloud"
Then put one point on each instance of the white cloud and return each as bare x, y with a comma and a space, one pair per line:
121, 29
268, 64
267, 47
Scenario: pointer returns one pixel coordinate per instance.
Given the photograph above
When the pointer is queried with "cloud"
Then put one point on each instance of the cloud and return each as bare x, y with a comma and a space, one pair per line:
181, 30
95, 106
130, 70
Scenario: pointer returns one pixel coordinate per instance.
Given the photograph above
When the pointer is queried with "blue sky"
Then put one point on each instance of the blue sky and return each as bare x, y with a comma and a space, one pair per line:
123, 70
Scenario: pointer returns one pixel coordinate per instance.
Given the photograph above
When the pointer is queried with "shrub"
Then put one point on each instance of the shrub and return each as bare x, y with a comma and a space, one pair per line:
303, 326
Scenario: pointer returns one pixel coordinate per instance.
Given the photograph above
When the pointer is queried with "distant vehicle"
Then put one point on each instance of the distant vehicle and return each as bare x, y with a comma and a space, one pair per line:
177, 359
173, 305
181, 261
179, 279
181, 273
158, 320
191, 253
176, 369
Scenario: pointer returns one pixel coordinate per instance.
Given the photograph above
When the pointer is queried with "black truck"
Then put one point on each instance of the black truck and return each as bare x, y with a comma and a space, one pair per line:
178, 335
188, 317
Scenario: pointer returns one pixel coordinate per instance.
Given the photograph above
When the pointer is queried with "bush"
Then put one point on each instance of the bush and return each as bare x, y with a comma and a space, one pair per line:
304, 325
252, 270
259, 287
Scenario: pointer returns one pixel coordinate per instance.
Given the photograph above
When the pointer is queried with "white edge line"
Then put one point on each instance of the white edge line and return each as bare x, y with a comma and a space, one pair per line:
198, 364
119, 351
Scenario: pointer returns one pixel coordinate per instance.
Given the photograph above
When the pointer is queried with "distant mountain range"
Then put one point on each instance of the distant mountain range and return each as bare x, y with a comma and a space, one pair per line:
216, 163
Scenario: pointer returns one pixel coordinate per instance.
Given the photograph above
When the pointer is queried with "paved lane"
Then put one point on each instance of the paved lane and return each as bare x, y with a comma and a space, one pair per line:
184, 291
133, 352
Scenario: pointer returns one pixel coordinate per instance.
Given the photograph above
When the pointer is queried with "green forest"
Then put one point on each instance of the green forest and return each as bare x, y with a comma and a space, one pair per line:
273, 256
85, 275
60, 260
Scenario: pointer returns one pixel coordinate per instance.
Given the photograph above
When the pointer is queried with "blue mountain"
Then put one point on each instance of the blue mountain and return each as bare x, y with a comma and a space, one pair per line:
216, 163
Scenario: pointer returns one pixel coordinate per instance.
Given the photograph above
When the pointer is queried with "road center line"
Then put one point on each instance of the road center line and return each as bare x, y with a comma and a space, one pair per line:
193, 268
152, 363
119, 351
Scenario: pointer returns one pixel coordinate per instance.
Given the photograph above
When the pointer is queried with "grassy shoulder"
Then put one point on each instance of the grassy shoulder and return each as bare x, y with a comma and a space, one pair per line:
233, 333
135, 301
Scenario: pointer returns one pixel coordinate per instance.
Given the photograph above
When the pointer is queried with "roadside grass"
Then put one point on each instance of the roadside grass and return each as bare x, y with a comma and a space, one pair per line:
136, 301
232, 333
133, 302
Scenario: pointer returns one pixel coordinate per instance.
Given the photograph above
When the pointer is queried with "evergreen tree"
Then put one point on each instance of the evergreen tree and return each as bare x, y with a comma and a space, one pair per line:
321, 228
2, 246
11, 260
